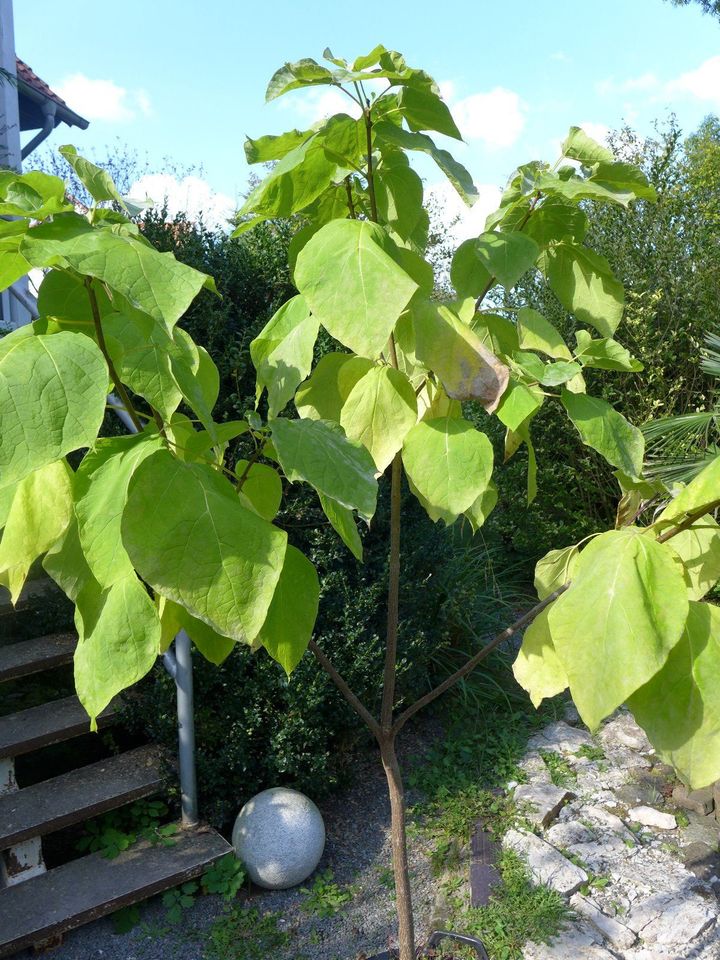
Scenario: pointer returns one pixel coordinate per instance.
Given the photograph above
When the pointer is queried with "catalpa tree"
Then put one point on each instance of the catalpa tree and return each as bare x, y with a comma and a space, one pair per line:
159, 531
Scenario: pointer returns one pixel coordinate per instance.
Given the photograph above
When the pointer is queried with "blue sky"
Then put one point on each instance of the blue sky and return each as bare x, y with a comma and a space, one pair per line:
186, 80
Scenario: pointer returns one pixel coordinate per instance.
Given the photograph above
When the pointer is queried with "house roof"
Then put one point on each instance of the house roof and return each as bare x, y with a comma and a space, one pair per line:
34, 93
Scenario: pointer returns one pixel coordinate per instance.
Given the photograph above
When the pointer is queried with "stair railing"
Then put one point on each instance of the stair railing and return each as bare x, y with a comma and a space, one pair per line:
177, 660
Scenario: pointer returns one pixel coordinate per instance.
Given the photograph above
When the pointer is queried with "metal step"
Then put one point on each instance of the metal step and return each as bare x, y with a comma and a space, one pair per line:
49, 723
32, 656
80, 794
94, 886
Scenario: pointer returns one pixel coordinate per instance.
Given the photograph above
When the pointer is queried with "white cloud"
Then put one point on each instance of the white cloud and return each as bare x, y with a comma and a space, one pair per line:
703, 83
103, 99
598, 131
560, 57
497, 118
320, 103
469, 221
191, 196
647, 82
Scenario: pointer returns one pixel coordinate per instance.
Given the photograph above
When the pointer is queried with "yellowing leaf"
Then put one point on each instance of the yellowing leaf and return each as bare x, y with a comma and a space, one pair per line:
380, 410
537, 668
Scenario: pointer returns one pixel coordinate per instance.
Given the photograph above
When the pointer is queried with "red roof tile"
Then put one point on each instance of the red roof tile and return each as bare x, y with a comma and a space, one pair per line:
27, 76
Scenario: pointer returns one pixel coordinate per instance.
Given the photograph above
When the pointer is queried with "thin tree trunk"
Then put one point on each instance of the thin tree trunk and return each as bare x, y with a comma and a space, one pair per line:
403, 894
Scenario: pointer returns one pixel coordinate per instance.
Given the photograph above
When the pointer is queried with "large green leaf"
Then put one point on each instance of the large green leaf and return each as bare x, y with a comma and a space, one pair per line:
379, 411
101, 490
34, 195
38, 515
399, 194
449, 462
506, 256
291, 76
290, 620
537, 668
537, 333
65, 563
271, 147
449, 348
153, 282
192, 541
679, 707
613, 630
352, 284
518, 403
98, 182
702, 492
424, 110
283, 351
261, 489
118, 641
318, 452
343, 523
584, 284
699, 549
605, 354
52, 400
607, 431
328, 155
387, 133
579, 146
321, 396
555, 569
13, 263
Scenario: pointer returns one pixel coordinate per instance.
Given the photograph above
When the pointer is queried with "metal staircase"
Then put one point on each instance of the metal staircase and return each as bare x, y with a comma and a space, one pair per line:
37, 904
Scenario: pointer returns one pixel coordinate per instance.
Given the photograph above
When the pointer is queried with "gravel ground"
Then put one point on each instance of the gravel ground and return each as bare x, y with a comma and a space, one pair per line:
358, 853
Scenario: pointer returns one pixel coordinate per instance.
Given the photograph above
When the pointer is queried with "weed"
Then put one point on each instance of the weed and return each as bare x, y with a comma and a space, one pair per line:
517, 912
118, 830
178, 900
682, 818
325, 898
224, 877
591, 752
240, 933
561, 773
125, 919
386, 877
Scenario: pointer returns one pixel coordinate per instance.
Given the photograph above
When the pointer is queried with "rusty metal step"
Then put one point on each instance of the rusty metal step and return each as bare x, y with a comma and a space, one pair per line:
49, 723
81, 891
80, 794
32, 656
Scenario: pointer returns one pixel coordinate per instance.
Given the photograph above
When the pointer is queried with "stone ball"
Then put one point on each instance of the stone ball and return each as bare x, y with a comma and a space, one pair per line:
279, 835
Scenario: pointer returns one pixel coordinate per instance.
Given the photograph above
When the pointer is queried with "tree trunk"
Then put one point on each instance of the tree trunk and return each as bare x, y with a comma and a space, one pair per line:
403, 895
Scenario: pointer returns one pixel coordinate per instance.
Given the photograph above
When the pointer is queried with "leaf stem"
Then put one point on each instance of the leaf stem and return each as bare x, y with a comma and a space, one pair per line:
351, 205
370, 173
119, 386
252, 460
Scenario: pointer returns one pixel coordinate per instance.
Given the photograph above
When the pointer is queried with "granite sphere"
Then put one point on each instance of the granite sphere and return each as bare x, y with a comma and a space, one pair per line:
279, 835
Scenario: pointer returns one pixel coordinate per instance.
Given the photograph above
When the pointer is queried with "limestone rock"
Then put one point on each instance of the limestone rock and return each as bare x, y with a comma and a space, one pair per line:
608, 820
279, 835
562, 738
650, 817
611, 929
544, 801
665, 920
547, 866
699, 801
579, 942
568, 834
622, 729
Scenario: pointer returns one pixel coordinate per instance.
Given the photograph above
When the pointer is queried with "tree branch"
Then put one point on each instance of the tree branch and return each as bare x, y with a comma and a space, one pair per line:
345, 690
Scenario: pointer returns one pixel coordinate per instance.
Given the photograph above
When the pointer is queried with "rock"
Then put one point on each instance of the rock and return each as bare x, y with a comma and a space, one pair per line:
279, 835
544, 800
547, 866
535, 769
579, 942
635, 792
699, 801
568, 833
623, 730
562, 738
608, 820
702, 860
611, 929
716, 798
650, 817
680, 922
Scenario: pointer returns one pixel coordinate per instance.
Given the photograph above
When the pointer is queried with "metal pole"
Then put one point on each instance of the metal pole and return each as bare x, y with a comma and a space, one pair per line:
186, 728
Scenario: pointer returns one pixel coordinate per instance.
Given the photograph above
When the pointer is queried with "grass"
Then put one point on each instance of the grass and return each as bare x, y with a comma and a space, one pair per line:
325, 898
240, 933
517, 912
561, 772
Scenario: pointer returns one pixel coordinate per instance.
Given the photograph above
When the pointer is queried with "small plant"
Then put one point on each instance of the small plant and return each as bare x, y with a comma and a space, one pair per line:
682, 818
126, 919
224, 877
325, 898
591, 752
561, 773
240, 933
386, 878
116, 831
179, 900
